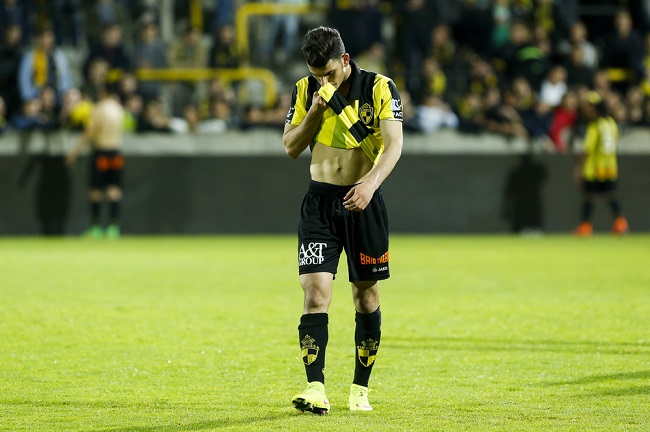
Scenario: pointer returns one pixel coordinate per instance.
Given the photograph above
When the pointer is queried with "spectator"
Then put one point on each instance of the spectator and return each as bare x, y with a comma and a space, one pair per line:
474, 27
224, 53
33, 117
471, 118
374, 58
101, 14
624, 48
187, 51
522, 56
97, 75
358, 22
113, 51
578, 74
563, 121
76, 109
443, 46
501, 24
133, 110
414, 27
68, 19
433, 79
150, 52
500, 118
645, 80
10, 56
634, 99
12, 13
553, 86
433, 114
578, 38
44, 66
287, 25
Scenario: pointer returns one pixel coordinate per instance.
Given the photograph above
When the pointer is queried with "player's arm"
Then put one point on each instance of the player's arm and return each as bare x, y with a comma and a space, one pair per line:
590, 141
84, 140
358, 198
296, 138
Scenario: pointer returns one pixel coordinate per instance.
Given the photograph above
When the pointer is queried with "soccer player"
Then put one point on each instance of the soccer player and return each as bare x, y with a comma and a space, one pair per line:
350, 119
104, 132
597, 167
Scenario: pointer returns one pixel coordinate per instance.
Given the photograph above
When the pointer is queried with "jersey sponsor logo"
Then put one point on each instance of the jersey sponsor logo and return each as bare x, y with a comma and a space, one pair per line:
396, 106
368, 260
366, 113
311, 253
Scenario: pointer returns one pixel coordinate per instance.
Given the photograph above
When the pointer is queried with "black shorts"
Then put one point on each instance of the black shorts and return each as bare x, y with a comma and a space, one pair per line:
599, 186
327, 228
106, 168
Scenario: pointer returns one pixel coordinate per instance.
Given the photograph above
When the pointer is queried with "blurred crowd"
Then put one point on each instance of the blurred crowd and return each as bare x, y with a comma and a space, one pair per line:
518, 68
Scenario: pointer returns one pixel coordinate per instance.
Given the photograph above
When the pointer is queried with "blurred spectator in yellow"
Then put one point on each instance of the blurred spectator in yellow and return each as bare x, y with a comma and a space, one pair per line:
433, 81
44, 66
645, 80
76, 109
471, 118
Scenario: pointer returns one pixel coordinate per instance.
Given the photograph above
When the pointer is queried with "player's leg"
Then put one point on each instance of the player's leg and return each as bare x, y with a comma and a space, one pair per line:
585, 228
620, 225
95, 198
114, 196
367, 335
313, 336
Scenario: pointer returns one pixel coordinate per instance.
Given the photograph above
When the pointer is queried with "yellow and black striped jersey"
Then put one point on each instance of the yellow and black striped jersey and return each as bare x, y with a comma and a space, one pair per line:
353, 121
600, 147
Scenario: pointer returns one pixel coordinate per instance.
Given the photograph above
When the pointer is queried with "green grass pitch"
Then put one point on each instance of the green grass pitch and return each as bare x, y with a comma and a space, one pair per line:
485, 333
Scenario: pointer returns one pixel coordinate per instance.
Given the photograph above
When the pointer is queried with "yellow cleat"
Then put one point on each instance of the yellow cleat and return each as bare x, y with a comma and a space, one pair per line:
358, 400
312, 400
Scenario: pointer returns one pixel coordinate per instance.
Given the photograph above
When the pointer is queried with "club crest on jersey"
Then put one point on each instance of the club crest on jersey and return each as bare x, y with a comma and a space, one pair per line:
367, 352
309, 350
366, 113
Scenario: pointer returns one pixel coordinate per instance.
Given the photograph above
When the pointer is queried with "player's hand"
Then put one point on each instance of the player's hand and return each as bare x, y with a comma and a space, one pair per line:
358, 198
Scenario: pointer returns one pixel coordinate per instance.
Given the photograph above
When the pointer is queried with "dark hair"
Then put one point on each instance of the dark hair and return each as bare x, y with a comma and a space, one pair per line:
322, 44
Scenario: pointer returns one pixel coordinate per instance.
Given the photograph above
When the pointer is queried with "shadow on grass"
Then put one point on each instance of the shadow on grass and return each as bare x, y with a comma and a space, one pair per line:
597, 379
486, 345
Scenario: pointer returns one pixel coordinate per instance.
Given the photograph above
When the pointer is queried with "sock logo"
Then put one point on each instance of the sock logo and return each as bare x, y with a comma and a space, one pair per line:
367, 352
309, 350
311, 254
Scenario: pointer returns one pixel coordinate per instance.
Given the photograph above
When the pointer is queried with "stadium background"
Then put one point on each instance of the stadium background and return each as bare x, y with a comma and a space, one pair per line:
204, 147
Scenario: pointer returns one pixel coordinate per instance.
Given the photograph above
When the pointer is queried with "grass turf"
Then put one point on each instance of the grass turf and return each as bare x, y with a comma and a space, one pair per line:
482, 333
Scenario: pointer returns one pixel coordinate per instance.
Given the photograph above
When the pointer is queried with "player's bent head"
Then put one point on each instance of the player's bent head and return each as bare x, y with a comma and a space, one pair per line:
322, 44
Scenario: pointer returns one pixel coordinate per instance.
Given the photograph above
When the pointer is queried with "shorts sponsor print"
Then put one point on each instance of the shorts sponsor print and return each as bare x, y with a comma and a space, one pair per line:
327, 229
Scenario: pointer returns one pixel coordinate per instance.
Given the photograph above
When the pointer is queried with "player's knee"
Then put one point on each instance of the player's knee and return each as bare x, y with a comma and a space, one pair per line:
114, 193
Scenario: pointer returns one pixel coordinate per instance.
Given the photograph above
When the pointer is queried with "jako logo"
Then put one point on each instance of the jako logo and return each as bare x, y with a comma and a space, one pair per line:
311, 254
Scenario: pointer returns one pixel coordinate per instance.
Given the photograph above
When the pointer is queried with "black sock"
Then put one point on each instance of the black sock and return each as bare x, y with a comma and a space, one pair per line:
114, 211
367, 335
313, 335
95, 208
615, 206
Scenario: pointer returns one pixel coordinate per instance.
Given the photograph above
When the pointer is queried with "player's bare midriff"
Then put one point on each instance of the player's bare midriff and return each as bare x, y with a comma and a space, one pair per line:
108, 126
338, 166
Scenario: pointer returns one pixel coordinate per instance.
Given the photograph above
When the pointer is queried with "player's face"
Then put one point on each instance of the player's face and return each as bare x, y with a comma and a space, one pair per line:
335, 71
